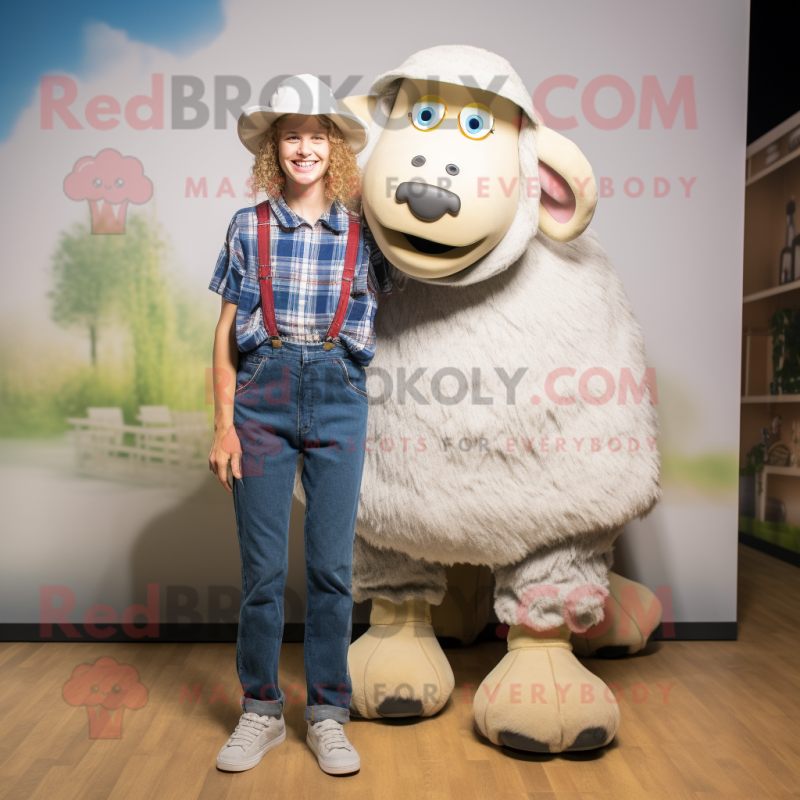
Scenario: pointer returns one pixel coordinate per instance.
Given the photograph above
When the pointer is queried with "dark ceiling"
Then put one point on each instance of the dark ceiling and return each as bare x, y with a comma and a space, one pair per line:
773, 92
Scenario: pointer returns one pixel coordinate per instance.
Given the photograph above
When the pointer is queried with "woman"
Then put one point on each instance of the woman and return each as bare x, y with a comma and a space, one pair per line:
295, 330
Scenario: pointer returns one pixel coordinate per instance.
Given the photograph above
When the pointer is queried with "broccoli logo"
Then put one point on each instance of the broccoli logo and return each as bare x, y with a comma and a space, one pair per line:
109, 181
106, 688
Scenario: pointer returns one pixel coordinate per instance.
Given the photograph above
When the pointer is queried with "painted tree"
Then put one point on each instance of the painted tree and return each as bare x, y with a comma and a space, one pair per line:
87, 281
132, 283
148, 309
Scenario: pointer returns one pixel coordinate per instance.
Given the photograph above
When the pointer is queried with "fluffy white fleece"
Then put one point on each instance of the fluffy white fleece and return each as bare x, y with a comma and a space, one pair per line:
559, 305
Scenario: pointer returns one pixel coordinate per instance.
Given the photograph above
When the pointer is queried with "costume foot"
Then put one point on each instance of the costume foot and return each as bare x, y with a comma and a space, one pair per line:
397, 668
632, 613
541, 699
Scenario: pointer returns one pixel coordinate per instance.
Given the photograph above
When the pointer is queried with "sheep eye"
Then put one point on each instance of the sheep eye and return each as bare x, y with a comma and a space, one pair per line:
119, 183
116, 688
475, 121
94, 688
428, 112
97, 182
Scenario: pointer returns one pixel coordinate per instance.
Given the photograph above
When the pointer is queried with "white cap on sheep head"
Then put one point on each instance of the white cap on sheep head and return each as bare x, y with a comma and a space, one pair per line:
453, 189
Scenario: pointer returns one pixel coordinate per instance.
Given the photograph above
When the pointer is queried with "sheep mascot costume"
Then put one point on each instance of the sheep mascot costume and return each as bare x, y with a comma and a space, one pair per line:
511, 423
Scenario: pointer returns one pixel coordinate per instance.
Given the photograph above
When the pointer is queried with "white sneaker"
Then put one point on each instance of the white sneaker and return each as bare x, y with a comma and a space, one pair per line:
254, 736
329, 744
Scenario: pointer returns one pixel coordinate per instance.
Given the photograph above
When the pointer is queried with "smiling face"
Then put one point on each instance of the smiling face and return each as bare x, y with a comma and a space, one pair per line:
442, 185
304, 150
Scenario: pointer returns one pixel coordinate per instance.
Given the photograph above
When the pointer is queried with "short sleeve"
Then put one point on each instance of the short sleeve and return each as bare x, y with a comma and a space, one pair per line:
230, 270
379, 267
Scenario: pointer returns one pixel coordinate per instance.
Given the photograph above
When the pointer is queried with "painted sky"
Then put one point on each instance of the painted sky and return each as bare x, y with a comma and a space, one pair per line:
46, 36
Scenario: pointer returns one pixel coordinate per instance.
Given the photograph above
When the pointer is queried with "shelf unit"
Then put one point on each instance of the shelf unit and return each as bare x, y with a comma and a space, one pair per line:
768, 189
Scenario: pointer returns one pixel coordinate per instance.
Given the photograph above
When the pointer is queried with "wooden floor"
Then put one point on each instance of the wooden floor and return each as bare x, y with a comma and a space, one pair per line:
730, 726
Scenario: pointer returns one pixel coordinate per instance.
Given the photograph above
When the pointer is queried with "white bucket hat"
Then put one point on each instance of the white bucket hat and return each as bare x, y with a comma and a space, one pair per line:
300, 94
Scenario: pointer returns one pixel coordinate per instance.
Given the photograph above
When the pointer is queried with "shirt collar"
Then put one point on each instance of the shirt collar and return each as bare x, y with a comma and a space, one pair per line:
334, 218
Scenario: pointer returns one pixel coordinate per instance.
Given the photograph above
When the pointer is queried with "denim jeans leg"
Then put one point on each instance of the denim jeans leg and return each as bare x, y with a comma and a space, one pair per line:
332, 466
262, 501
262, 707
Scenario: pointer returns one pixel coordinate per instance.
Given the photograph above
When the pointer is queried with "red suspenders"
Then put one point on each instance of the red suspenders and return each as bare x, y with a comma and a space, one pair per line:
264, 274
265, 277
347, 281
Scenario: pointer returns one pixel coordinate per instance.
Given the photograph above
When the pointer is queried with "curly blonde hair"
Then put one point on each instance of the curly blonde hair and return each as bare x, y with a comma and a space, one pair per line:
342, 180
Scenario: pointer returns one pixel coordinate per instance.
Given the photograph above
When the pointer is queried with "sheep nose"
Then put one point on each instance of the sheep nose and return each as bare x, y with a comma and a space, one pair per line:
427, 202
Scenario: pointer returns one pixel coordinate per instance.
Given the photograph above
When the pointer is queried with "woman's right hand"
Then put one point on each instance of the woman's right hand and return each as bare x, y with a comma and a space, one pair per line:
226, 449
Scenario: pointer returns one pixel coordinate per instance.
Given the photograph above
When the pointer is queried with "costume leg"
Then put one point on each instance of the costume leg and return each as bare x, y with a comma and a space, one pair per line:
539, 697
613, 624
398, 667
569, 579
631, 614
394, 576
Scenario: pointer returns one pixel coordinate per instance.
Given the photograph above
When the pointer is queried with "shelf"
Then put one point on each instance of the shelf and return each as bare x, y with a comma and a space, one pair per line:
792, 471
774, 135
787, 287
771, 398
772, 167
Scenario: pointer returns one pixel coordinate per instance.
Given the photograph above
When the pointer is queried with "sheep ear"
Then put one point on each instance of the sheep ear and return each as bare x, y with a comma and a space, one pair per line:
568, 191
362, 105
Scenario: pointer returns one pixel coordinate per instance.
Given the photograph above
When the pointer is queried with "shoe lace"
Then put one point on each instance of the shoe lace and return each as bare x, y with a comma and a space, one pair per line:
250, 725
332, 736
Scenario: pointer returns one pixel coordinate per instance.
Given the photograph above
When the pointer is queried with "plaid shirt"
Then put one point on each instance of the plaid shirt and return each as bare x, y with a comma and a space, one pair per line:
307, 263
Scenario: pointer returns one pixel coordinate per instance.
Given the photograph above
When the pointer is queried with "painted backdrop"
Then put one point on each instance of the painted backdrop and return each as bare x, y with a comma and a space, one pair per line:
121, 170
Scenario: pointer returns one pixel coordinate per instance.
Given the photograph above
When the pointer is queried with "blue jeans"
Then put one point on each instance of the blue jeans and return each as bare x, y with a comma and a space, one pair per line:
295, 399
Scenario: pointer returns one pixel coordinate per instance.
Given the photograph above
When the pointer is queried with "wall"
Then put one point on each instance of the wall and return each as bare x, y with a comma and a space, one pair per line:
679, 253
